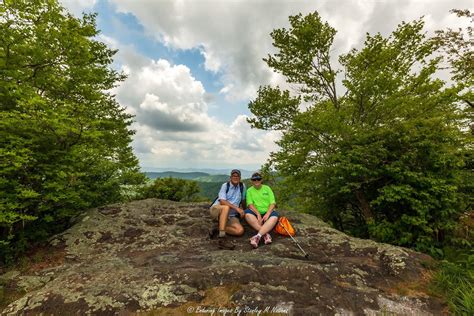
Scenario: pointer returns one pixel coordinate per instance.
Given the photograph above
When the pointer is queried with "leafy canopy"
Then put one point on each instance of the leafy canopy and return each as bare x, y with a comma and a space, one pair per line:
385, 158
173, 189
64, 140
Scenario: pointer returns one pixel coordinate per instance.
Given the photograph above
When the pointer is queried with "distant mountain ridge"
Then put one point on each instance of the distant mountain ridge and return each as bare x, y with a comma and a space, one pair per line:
196, 176
213, 178
177, 175
209, 184
208, 171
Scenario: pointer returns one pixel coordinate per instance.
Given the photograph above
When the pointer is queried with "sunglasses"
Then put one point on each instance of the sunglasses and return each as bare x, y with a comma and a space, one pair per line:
256, 179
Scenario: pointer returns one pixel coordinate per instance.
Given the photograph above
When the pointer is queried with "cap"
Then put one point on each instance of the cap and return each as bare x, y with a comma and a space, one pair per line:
235, 171
256, 176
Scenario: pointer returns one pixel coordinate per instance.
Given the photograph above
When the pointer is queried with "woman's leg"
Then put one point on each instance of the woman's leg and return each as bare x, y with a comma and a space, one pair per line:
253, 222
268, 225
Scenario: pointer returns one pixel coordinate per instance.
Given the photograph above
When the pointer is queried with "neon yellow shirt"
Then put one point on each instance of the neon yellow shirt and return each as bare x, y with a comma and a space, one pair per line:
261, 198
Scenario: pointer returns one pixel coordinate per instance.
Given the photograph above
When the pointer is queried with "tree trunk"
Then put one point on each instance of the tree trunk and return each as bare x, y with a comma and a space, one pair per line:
364, 206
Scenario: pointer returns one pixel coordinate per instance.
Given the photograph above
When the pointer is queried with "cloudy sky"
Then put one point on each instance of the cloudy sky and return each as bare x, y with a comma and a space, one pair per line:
193, 66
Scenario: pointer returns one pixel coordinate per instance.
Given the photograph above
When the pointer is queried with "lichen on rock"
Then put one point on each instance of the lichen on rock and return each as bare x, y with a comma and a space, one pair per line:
155, 255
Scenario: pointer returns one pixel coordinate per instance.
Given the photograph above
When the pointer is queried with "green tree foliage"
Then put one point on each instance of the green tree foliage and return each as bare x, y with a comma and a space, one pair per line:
386, 159
172, 189
458, 48
64, 140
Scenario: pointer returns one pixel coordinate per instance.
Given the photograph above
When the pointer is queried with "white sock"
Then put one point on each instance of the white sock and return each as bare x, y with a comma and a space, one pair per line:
259, 236
222, 233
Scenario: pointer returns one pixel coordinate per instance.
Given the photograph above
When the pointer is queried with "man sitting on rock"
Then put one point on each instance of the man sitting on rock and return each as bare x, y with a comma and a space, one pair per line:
226, 210
260, 213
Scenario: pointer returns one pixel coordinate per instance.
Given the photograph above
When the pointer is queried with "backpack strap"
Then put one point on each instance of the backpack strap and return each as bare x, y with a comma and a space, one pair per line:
212, 203
241, 185
227, 188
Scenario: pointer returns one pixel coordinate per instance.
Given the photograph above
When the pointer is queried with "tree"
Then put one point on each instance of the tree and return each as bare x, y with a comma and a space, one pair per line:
383, 160
64, 140
458, 47
172, 189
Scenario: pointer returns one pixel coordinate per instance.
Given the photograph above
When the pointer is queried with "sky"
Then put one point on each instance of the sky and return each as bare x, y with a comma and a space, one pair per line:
194, 65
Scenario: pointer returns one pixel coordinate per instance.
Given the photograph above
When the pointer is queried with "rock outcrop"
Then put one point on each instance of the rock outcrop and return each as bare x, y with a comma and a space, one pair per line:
155, 257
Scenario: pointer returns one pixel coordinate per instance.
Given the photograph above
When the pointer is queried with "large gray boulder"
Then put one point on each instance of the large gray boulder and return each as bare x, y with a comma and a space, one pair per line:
154, 256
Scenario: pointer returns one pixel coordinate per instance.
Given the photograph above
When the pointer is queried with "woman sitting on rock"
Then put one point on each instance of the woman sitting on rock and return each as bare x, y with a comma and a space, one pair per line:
260, 213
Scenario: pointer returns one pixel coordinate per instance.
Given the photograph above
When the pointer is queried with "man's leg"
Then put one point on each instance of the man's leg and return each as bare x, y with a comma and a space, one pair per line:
268, 225
223, 242
253, 222
234, 227
223, 219
214, 211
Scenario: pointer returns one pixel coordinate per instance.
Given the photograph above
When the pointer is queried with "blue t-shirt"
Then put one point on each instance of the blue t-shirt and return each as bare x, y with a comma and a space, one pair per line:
233, 196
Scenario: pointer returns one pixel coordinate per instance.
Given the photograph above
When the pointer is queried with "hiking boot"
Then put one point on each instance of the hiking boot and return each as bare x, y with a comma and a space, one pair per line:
213, 232
254, 241
224, 243
267, 239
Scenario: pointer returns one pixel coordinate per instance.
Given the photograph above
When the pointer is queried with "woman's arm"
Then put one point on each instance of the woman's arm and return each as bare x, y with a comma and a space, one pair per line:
269, 212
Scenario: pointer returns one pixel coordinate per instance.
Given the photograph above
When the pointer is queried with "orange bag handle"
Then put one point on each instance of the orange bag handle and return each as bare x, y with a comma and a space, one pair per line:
283, 227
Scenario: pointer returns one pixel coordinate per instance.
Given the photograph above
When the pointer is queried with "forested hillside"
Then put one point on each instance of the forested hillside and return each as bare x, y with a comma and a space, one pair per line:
177, 175
209, 184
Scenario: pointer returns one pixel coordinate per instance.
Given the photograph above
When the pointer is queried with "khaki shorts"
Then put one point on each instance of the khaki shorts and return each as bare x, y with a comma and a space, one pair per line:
215, 211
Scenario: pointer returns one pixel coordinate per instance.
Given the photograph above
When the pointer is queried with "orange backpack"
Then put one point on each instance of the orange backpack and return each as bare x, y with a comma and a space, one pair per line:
283, 227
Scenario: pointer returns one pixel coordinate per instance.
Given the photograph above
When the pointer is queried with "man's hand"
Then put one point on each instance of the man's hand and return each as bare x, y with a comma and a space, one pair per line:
241, 212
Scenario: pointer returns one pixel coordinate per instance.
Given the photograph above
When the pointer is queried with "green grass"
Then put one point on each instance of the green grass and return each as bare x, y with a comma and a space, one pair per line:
455, 282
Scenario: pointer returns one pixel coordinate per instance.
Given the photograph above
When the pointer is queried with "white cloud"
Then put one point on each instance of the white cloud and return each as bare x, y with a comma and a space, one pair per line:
163, 96
219, 147
234, 35
173, 127
212, 62
76, 7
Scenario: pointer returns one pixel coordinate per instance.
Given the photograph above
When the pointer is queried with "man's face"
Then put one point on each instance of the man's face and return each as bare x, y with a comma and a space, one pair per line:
235, 178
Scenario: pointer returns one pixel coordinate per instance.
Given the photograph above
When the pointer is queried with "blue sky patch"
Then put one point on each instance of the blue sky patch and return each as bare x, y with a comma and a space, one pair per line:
126, 28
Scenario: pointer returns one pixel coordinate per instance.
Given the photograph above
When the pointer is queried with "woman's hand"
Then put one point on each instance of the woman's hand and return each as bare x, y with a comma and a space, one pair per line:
260, 219
266, 216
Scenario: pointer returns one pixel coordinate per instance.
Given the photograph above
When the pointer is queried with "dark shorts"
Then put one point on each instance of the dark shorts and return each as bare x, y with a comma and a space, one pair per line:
274, 213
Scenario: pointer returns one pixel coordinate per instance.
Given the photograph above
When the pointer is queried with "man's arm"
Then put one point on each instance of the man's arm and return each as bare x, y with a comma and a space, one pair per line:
222, 197
244, 204
244, 196
225, 202
238, 209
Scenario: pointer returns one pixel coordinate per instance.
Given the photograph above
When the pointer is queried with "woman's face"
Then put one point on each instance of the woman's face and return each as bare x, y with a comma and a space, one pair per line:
257, 183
